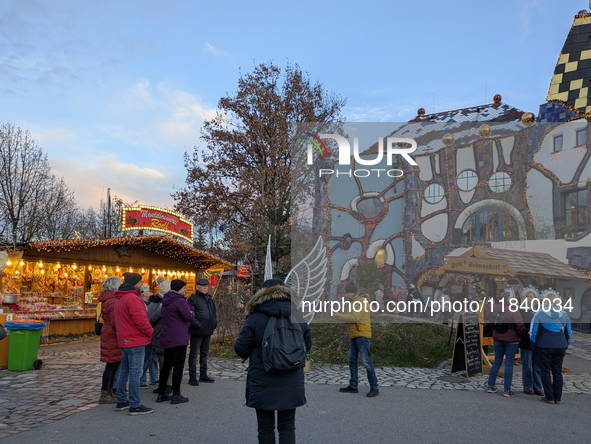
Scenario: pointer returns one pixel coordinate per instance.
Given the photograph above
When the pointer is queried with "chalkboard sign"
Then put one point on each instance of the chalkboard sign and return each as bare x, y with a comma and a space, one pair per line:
467, 355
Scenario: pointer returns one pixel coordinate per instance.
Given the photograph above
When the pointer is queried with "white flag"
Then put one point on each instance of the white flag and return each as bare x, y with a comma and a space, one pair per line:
268, 266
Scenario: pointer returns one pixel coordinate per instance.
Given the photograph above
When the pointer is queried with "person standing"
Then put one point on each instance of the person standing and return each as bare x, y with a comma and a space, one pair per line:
359, 326
530, 372
150, 359
134, 332
155, 316
174, 338
202, 328
550, 336
270, 392
110, 351
505, 343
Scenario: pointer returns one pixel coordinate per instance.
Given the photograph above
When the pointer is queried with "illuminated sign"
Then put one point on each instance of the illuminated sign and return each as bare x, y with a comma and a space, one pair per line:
144, 217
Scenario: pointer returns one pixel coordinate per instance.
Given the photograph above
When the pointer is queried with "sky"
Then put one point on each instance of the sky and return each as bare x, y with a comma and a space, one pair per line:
116, 92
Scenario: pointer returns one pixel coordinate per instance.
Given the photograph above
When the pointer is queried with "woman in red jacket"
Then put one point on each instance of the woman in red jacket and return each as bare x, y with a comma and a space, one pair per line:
506, 341
110, 351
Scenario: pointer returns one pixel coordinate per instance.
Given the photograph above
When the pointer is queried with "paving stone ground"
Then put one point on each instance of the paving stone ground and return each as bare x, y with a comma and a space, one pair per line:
69, 382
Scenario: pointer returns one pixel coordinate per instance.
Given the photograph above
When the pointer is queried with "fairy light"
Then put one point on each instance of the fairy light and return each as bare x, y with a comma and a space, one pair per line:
143, 271
22, 263
117, 270
104, 268
58, 266
42, 271
74, 266
40, 264
130, 270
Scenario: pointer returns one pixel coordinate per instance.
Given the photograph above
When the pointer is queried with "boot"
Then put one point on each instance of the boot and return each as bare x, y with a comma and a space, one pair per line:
105, 398
112, 394
178, 399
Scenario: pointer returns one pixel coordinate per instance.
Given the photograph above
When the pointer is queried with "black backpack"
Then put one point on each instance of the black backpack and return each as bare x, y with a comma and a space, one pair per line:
498, 323
283, 346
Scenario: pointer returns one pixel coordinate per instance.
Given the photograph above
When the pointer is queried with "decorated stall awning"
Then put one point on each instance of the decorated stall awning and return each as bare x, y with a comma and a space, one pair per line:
510, 263
157, 243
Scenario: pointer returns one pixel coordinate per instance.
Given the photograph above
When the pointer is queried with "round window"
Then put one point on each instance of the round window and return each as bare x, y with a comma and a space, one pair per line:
467, 180
434, 193
499, 182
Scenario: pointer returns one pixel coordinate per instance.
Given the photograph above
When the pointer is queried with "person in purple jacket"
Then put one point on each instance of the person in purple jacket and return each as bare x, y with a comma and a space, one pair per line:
506, 343
174, 338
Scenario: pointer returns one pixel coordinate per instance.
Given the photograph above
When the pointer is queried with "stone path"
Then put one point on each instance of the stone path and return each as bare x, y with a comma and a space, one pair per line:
69, 382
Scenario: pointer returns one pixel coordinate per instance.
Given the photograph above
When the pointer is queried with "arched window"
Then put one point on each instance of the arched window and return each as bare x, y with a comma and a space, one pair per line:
434, 193
499, 182
490, 225
467, 180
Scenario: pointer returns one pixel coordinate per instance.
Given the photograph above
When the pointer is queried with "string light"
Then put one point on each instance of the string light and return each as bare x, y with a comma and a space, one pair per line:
58, 266
22, 263
130, 270
104, 268
42, 271
40, 264
74, 266
90, 267
143, 271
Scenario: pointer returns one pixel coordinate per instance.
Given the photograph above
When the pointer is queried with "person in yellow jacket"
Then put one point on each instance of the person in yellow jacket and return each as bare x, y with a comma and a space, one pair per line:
359, 326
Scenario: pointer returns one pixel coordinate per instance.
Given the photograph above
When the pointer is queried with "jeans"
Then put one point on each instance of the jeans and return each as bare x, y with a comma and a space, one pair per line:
361, 346
151, 364
173, 358
199, 343
550, 360
285, 426
532, 379
501, 349
132, 363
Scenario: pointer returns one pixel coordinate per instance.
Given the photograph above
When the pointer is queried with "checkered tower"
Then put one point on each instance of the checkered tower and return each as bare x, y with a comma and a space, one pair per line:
571, 82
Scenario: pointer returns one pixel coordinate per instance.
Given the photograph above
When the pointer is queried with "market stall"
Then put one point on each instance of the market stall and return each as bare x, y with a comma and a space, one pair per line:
59, 282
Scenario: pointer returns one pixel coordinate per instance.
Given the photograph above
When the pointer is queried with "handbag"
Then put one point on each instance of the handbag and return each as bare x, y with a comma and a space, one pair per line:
3, 333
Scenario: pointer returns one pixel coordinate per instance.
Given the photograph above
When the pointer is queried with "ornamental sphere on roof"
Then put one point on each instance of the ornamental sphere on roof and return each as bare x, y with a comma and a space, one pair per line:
528, 119
497, 98
421, 111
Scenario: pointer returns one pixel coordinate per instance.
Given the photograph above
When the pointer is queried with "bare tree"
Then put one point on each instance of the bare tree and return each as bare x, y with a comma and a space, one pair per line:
33, 202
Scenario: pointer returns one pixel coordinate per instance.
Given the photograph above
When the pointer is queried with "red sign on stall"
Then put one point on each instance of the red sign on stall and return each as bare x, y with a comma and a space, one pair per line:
156, 219
243, 271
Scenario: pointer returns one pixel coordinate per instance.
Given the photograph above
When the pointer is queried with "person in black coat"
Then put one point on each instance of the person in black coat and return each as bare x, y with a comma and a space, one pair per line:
267, 392
202, 328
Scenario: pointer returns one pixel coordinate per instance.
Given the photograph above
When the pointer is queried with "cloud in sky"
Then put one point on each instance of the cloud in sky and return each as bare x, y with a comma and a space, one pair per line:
210, 49
91, 177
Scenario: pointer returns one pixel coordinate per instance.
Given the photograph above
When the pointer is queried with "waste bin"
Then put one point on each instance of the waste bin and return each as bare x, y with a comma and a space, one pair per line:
24, 344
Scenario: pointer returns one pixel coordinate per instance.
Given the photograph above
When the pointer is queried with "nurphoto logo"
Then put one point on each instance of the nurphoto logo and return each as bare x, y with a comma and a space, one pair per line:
393, 147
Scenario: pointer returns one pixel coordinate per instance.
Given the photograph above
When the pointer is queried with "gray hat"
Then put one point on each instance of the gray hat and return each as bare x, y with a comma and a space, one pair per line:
202, 282
351, 288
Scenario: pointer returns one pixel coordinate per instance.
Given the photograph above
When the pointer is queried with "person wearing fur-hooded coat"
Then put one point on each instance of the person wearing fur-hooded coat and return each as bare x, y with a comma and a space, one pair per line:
268, 392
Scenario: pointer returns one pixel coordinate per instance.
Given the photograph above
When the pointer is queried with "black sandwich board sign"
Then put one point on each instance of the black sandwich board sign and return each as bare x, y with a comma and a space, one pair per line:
467, 348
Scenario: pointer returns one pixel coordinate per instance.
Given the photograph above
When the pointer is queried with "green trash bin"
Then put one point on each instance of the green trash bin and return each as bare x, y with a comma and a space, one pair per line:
24, 344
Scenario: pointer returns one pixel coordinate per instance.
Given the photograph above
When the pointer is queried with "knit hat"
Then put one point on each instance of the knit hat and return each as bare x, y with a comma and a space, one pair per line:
351, 288
132, 278
163, 287
272, 282
202, 282
177, 285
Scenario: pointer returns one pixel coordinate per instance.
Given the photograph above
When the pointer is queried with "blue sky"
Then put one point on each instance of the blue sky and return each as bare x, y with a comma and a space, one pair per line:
117, 91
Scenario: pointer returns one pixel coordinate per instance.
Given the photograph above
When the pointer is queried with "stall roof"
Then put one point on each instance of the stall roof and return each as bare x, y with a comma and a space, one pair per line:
529, 263
156, 243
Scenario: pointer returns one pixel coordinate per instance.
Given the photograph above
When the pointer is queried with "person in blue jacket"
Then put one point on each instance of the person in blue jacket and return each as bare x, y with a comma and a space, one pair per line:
550, 334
